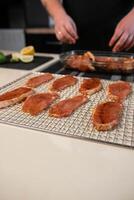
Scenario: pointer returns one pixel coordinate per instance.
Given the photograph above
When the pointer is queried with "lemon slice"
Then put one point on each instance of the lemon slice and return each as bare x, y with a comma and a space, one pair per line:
15, 57
29, 50
26, 58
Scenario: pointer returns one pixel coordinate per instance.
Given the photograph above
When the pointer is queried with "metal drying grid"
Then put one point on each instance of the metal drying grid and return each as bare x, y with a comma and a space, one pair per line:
79, 124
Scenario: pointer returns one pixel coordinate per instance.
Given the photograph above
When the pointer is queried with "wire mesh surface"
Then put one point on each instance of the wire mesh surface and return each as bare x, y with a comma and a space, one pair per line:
79, 124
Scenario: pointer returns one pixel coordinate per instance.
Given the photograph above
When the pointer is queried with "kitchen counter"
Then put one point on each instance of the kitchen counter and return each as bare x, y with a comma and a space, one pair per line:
39, 166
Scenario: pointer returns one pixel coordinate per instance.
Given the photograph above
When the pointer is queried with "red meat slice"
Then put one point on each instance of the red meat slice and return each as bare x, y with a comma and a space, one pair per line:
38, 80
90, 86
14, 96
116, 64
66, 107
63, 83
81, 62
38, 102
119, 90
107, 115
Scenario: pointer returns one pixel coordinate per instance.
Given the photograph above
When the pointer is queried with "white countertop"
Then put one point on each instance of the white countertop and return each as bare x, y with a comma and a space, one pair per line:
40, 166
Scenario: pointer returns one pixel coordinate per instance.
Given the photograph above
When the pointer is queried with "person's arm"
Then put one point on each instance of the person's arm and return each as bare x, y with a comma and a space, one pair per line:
65, 28
123, 37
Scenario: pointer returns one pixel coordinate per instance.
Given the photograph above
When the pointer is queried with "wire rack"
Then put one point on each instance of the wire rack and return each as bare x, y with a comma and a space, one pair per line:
79, 124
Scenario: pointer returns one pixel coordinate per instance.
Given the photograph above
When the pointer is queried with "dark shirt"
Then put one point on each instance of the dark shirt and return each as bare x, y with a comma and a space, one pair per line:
96, 20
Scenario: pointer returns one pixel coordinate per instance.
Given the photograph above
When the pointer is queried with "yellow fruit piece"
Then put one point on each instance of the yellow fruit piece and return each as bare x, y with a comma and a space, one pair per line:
26, 58
29, 50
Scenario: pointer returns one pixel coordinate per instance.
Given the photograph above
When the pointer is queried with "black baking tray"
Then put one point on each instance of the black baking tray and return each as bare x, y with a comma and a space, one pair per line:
38, 60
59, 68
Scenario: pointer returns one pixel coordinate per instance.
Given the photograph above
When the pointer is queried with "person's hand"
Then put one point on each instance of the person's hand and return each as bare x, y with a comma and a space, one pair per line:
123, 37
65, 29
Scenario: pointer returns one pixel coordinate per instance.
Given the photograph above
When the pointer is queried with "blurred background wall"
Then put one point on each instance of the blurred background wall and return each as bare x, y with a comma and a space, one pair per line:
33, 19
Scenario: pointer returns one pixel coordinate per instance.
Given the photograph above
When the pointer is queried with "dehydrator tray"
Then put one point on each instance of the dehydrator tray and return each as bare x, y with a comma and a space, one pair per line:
79, 124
